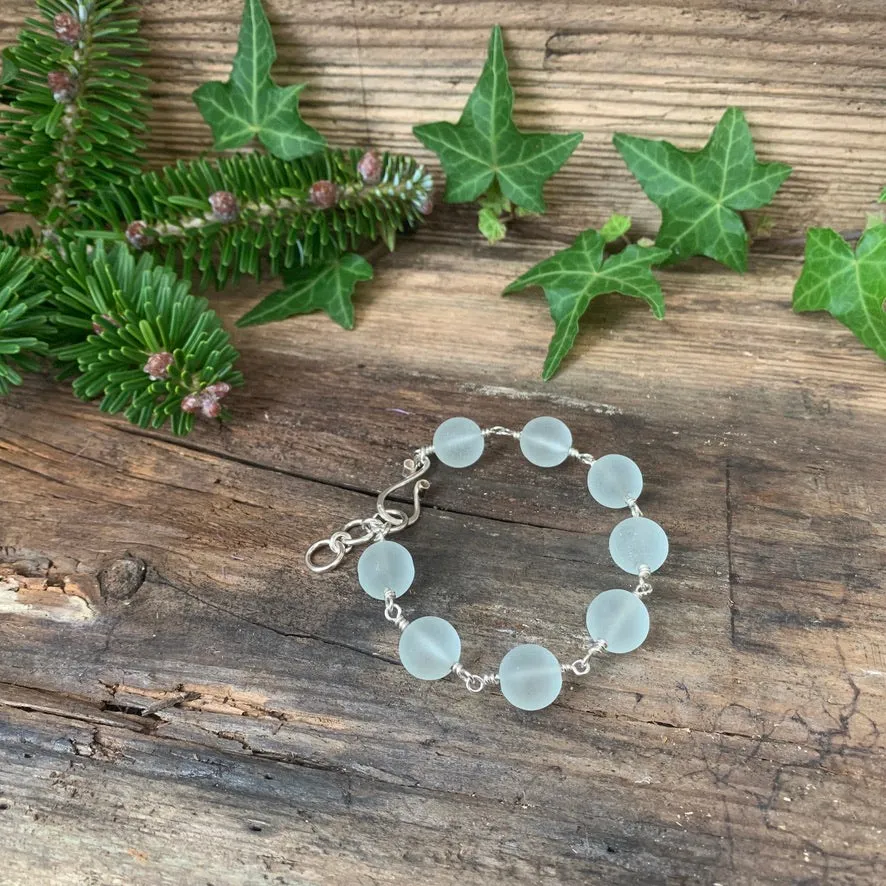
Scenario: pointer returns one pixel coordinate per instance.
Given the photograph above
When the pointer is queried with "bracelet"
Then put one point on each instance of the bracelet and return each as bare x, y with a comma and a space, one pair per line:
529, 676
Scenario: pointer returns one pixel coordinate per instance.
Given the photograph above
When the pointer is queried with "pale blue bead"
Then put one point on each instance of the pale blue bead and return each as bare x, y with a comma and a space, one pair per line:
429, 647
384, 565
636, 542
620, 618
613, 479
458, 442
530, 677
545, 441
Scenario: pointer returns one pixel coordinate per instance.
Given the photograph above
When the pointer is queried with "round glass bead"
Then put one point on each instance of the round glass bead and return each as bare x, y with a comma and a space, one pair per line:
613, 479
636, 542
383, 565
620, 618
429, 647
530, 677
545, 441
458, 442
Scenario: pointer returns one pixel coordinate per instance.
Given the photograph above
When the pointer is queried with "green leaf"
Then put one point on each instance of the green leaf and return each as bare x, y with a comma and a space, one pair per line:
872, 219
615, 226
325, 287
250, 104
573, 277
882, 197
700, 193
10, 69
849, 285
490, 225
485, 148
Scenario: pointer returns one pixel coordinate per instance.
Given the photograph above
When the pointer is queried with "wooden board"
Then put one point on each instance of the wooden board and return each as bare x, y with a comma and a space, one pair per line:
183, 703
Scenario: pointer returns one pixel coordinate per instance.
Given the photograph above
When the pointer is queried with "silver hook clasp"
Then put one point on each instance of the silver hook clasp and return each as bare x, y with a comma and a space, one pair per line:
411, 474
385, 521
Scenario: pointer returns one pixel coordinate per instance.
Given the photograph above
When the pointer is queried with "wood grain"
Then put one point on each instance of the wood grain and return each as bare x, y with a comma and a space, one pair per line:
215, 715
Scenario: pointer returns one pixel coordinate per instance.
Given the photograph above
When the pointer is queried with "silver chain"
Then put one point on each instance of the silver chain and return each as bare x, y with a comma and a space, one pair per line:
385, 521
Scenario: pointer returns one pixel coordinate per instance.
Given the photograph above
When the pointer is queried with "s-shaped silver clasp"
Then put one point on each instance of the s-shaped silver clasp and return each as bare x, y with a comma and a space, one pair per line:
385, 521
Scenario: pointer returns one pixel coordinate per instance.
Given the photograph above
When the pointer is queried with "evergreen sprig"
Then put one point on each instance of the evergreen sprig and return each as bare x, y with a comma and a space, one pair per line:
115, 316
138, 338
23, 325
221, 217
75, 104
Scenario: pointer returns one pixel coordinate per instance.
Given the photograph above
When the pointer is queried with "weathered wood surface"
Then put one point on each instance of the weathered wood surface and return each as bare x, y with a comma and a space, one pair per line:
182, 703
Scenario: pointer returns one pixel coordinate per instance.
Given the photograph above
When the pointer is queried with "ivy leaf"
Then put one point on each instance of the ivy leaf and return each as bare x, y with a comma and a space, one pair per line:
701, 193
490, 225
250, 105
573, 277
849, 285
325, 287
9, 70
485, 149
615, 226
8, 73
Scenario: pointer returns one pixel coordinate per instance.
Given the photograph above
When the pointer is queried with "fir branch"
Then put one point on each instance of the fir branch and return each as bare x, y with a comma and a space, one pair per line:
76, 104
136, 337
27, 241
23, 325
223, 216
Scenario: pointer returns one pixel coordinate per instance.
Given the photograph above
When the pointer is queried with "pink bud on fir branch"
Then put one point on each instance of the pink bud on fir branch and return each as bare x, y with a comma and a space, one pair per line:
157, 366
137, 235
370, 168
323, 194
62, 85
225, 207
66, 28
207, 400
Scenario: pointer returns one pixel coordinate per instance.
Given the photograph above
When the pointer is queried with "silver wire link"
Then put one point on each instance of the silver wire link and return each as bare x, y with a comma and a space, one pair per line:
582, 666
394, 612
500, 431
644, 588
635, 508
474, 682
584, 457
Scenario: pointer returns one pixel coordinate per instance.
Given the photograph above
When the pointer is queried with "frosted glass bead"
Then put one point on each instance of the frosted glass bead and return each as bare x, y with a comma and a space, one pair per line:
545, 441
530, 677
620, 618
636, 542
383, 565
614, 478
458, 442
429, 647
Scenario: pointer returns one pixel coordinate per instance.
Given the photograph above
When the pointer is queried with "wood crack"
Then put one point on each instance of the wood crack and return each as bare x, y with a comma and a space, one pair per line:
279, 631
730, 575
342, 487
